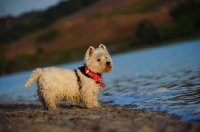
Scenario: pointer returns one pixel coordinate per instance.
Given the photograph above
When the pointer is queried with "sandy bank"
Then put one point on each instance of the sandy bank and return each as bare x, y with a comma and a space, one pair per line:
30, 117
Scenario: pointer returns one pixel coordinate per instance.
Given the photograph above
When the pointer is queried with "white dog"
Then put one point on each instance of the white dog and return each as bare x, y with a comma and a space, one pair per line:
80, 86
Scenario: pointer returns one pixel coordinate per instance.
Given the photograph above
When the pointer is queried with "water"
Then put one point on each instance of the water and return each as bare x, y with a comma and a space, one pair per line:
164, 78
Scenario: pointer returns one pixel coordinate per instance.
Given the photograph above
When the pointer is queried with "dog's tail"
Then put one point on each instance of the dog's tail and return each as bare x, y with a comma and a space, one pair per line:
34, 76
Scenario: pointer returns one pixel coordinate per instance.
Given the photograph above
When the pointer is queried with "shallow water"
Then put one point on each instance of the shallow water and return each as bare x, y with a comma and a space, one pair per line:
165, 78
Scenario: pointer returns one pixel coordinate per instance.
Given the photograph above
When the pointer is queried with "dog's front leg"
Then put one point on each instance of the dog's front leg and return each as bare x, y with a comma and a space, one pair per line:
90, 101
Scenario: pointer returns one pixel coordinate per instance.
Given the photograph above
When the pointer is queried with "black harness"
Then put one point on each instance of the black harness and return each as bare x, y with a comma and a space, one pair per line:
78, 79
82, 70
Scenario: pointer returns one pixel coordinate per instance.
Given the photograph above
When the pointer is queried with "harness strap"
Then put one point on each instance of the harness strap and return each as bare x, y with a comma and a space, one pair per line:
78, 79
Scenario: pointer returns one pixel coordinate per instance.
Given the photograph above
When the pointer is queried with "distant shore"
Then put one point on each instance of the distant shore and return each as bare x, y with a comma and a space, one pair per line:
37, 41
30, 117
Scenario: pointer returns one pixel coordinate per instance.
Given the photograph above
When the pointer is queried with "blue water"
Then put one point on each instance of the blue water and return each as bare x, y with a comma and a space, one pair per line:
165, 78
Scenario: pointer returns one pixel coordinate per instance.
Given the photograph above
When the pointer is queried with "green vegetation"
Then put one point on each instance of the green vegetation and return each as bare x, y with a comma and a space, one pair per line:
186, 23
43, 19
147, 7
49, 36
40, 59
146, 32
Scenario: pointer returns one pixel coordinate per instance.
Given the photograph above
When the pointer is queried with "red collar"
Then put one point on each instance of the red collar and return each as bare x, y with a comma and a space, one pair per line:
95, 76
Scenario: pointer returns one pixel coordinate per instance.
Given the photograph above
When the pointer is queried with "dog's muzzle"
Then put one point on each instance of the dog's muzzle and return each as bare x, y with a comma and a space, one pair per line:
108, 67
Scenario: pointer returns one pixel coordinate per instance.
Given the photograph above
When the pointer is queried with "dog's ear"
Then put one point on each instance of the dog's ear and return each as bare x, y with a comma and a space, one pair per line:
90, 52
101, 46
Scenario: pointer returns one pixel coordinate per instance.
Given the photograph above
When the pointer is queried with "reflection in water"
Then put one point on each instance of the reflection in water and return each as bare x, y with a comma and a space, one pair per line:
164, 78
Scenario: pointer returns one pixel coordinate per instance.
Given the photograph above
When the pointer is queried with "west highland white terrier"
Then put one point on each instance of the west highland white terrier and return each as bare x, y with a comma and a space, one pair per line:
80, 86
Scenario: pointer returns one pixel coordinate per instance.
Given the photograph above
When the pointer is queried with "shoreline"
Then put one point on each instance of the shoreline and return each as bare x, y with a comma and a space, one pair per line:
128, 48
29, 116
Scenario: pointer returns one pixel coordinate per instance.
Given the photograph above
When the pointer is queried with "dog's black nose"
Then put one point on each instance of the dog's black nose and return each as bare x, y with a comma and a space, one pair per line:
108, 63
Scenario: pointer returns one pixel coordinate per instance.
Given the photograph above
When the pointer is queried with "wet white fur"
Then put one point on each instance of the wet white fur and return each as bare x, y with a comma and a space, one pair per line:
55, 84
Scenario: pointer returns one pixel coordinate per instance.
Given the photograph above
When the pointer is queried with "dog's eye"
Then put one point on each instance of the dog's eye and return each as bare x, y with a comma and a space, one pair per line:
106, 57
98, 60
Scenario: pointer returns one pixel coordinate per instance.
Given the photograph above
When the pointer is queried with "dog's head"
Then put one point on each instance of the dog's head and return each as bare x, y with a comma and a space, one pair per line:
98, 60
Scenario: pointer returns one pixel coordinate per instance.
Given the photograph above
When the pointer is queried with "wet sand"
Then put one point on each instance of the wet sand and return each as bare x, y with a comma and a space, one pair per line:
26, 116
